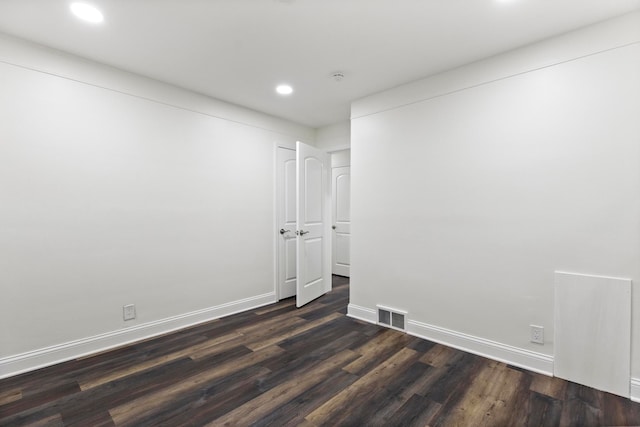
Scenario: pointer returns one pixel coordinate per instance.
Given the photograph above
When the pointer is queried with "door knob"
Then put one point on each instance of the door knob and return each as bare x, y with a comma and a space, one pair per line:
282, 231
301, 232
333, 226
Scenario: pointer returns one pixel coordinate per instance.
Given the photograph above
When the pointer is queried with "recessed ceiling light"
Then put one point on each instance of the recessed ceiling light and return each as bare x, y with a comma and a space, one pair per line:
284, 90
86, 12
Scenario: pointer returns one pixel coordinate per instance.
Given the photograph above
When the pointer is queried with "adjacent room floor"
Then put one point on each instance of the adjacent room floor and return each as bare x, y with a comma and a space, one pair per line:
313, 366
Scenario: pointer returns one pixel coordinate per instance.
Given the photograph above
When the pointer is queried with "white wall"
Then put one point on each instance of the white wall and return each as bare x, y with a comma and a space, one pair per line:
334, 137
470, 188
340, 158
116, 189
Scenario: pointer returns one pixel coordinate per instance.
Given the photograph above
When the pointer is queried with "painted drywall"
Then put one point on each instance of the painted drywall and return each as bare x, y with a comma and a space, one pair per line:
340, 158
334, 137
116, 189
469, 189
28, 55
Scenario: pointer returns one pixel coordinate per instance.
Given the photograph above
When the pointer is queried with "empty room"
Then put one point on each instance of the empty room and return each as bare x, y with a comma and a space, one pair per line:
320, 213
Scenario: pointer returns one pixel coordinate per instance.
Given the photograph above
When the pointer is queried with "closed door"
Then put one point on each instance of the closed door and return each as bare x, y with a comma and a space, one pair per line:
313, 220
341, 213
286, 221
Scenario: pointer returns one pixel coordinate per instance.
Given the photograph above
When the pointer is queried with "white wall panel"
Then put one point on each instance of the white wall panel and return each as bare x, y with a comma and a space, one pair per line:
593, 331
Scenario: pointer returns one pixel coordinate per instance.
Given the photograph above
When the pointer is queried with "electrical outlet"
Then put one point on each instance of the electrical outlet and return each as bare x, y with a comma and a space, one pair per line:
129, 312
537, 334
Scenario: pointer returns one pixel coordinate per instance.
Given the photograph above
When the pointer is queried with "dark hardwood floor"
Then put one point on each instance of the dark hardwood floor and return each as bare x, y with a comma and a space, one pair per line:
313, 366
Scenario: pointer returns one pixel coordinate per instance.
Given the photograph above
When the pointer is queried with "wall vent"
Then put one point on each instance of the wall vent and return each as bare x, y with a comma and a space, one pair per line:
392, 318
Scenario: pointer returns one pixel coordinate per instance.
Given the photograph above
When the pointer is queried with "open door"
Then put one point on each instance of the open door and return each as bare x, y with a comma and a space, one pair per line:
341, 215
313, 224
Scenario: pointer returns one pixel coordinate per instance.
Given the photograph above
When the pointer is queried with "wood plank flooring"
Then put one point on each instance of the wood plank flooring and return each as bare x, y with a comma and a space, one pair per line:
313, 366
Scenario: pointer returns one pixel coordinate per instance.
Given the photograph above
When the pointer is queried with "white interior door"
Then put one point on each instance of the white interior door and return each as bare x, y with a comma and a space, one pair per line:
286, 221
313, 220
341, 213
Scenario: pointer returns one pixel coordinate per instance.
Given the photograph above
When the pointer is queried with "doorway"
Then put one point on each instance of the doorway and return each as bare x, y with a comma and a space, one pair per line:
341, 212
303, 220
286, 221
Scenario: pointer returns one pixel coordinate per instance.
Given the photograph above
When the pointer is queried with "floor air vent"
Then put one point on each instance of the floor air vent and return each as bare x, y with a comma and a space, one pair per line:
392, 318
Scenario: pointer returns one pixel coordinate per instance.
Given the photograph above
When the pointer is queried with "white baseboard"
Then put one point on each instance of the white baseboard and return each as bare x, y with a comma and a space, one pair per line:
530, 360
635, 389
533, 361
362, 313
29, 361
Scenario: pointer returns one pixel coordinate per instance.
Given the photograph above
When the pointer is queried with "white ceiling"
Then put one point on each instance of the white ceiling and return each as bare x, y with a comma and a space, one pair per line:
238, 50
